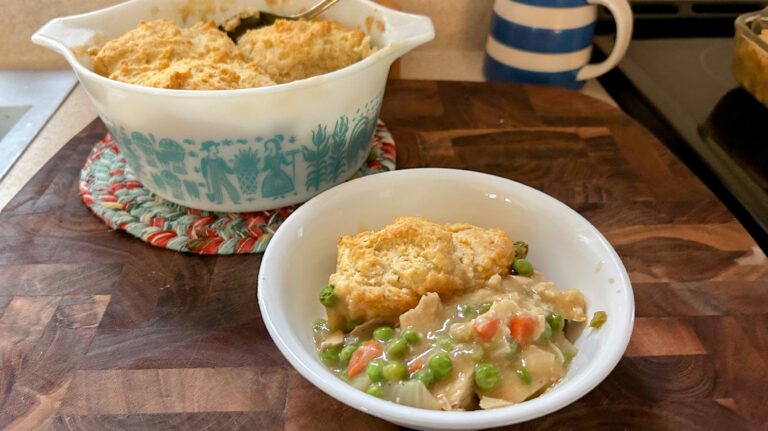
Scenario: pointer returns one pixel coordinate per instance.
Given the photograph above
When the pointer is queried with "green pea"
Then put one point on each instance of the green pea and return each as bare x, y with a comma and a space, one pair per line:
330, 355
374, 370
345, 375
327, 297
446, 343
424, 376
346, 353
513, 347
375, 390
524, 375
383, 333
441, 365
522, 267
487, 376
547, 334
598, 319
521, 249
411, 336
556, 321
465, 310
397, 348
484, 307
394, 371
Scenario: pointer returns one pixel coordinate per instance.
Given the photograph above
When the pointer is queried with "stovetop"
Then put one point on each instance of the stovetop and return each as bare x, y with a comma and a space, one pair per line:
688, 83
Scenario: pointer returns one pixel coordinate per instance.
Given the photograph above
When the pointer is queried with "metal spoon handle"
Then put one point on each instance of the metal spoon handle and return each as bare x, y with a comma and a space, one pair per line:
317, 9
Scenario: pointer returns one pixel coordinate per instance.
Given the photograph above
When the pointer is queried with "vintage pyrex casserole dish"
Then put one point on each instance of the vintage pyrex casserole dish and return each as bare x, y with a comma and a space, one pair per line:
315, 132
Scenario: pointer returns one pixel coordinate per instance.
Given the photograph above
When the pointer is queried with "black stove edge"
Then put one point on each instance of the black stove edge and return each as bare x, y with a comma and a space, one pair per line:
639, 108
673, 28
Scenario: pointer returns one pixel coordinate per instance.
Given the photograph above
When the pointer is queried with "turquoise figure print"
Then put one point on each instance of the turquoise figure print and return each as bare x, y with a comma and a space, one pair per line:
215, 170
277, 182
338, 144
315, 157
247, 169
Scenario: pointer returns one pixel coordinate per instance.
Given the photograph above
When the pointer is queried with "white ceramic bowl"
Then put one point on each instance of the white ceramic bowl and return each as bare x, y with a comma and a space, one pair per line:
248, 149
564, 246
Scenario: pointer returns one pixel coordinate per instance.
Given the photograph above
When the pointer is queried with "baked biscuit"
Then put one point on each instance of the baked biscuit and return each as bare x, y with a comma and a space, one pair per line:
382, 274
161, 54
292, 50
482, 252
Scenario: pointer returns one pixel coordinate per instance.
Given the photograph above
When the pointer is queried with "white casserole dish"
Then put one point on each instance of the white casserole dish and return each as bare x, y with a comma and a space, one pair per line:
259, 148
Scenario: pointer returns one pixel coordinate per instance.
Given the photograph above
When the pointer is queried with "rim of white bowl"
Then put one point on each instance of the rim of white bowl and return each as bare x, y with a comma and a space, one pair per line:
318, 375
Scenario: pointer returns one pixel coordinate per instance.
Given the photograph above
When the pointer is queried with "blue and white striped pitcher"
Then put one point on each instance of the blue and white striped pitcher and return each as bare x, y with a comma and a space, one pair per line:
550, 41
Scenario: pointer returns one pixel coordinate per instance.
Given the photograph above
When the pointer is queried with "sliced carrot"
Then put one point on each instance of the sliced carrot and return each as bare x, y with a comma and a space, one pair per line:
359, 360
416, 366
521, 328
486, 328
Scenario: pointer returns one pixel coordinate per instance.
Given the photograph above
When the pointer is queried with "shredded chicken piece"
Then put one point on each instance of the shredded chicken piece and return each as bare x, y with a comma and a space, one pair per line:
457, 392
426, 316
335, 339
365, 330
569, 303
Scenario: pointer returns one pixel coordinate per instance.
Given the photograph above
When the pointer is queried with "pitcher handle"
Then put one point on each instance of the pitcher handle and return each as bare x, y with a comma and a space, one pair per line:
622, 14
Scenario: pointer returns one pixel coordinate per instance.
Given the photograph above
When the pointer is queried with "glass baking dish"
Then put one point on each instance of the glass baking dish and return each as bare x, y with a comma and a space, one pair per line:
750, 58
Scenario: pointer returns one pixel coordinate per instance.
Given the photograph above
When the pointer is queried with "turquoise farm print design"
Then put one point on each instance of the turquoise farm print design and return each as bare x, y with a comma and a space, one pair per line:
158, 180
215, 169
315, 157
337, 163
171, 155
127, 148
330, 155
360, 137
277, 182
173, 182
247, 170
192, 189
239, 169
147, 147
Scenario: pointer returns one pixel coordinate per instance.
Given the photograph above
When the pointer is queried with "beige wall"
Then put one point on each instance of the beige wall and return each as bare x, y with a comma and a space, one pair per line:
20, 18
461, 27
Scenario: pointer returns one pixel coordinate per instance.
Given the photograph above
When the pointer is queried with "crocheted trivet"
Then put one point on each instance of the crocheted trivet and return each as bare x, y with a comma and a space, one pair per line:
116, 196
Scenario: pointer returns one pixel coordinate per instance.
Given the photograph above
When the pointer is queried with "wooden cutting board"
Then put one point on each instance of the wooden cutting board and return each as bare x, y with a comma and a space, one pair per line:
99, 330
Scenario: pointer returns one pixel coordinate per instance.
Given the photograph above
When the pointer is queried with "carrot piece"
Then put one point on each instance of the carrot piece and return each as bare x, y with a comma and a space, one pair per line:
416, 366
486, 328
521, 328
362, 356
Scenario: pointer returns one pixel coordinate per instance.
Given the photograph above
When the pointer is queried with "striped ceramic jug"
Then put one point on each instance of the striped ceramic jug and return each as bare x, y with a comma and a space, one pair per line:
550, 41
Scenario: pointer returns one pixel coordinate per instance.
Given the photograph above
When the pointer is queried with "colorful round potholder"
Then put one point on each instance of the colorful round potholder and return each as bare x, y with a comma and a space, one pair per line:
117, 197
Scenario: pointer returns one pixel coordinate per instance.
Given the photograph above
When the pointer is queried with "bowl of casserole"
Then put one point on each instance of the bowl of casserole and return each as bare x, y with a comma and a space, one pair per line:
243, 149
562, 244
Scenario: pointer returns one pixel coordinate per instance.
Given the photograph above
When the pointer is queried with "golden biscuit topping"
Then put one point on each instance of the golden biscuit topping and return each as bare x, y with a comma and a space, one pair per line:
162, 54
292, 50
384, 273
